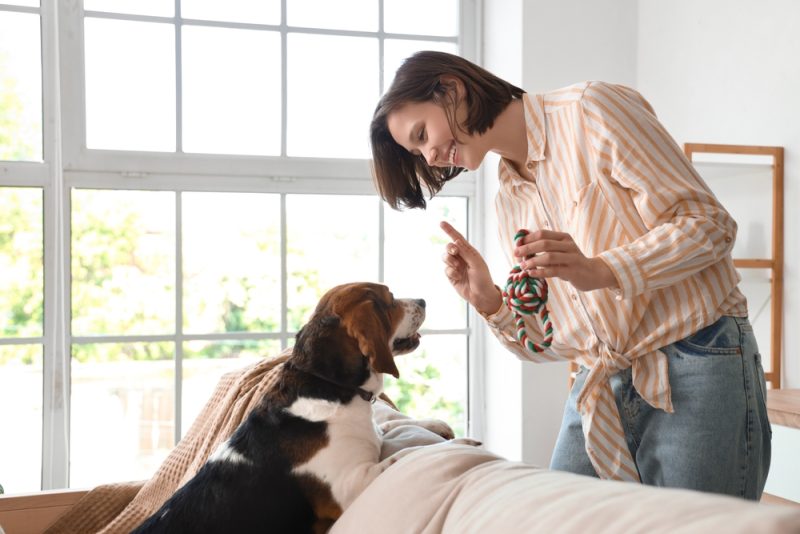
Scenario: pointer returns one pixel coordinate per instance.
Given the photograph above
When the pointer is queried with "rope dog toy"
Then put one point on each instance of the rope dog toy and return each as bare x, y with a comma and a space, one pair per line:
526, 295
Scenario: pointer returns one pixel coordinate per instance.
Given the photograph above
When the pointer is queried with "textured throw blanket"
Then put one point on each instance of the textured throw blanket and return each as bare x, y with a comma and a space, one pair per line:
116, 508
119, 508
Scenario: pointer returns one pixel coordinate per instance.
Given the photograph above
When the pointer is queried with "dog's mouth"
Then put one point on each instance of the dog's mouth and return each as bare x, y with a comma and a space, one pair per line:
404, 345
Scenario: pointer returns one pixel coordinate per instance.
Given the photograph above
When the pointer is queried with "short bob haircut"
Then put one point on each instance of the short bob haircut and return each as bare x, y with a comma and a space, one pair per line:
399, 176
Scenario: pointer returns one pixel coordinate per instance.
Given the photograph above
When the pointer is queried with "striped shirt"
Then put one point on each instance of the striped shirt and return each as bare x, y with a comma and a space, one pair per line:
606, 172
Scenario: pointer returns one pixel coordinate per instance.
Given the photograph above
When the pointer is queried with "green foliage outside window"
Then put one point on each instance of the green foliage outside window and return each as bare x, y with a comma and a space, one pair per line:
15, 133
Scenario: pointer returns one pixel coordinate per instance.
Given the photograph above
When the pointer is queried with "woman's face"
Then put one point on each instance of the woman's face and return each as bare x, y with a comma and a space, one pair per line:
422, 128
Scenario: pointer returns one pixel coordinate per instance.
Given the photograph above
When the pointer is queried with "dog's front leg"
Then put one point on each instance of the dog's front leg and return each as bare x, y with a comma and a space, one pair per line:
357, 480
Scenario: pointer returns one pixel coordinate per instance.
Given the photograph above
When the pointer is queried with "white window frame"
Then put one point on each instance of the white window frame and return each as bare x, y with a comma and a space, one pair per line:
69, 164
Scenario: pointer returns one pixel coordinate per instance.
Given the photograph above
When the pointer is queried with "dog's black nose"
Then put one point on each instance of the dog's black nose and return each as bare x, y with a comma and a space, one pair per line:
420, 302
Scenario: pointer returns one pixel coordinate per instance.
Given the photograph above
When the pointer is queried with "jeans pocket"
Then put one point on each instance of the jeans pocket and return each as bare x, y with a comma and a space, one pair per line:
722, 337
761, 390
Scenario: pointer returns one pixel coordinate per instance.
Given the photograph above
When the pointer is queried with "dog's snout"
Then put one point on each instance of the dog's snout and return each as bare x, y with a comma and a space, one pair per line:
420, 303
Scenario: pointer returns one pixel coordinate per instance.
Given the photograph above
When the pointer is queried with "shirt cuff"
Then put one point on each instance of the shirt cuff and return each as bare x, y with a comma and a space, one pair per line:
501, 319
629, 275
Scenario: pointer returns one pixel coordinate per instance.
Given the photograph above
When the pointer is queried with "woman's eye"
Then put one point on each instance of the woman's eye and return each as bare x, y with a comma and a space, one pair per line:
422, 134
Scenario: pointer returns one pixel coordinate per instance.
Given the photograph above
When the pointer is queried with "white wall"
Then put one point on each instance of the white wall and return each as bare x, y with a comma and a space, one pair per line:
717, 71
728, 71
541, 45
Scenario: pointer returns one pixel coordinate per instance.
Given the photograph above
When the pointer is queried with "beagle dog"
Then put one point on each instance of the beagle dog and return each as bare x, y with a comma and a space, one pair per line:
310, 447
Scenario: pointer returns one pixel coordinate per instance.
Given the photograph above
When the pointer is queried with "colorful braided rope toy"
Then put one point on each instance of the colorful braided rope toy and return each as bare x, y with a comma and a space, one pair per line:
526, 295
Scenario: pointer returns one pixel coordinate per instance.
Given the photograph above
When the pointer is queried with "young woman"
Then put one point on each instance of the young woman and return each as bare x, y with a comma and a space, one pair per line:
636, 253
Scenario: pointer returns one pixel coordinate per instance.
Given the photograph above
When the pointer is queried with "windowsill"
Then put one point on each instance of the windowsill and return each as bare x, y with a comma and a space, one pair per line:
783, 407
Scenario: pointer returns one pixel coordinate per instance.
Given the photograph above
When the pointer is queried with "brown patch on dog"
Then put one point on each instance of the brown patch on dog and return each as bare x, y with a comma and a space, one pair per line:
369, 317
325, 507
385, 398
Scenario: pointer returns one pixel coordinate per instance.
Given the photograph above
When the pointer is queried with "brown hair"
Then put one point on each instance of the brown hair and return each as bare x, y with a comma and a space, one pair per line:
399, 175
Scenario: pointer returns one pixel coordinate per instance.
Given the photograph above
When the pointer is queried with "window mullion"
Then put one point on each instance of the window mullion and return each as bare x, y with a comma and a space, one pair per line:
56, 346
68, 16
284, 277
178, 400
284, 79
178, 79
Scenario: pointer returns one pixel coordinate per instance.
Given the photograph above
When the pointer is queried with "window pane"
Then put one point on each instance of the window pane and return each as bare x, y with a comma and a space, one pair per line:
21, 262
162, 8
333, 89
121, 411
340, 15
123, 262
433, 381
231, 91
421, 17
258, 12
231, 262
205, 362
332, 239
130, 85
395, 51
21, 387
20, 87
422, 276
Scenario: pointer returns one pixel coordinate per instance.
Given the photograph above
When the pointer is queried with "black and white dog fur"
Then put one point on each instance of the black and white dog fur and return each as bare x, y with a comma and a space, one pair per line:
310, 447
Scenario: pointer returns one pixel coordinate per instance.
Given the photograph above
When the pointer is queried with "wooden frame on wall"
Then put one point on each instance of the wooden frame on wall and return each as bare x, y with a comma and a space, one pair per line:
774, 261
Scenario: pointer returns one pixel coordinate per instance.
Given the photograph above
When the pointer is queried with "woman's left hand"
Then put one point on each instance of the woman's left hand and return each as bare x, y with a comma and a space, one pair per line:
557, 255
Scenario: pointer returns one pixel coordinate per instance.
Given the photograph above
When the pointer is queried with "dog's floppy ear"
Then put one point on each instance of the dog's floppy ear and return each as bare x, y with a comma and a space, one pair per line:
364, 325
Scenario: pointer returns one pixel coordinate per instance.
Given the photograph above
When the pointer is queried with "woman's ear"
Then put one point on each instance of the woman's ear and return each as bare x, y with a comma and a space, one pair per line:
452, 84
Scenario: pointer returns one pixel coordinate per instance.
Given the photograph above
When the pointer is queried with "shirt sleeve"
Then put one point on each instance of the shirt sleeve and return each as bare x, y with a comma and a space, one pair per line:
502, 324
678, 225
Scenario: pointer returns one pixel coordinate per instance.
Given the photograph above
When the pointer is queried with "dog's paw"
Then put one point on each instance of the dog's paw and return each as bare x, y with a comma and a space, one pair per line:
466, 441
436, 426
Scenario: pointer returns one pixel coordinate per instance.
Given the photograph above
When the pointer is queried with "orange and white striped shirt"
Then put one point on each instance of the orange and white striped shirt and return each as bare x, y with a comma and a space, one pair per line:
608, 173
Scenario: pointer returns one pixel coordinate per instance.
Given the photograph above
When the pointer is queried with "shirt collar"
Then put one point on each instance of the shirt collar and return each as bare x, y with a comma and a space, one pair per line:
537, 138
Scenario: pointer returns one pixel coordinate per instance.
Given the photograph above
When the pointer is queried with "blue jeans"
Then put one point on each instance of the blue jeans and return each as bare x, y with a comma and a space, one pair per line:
718, 439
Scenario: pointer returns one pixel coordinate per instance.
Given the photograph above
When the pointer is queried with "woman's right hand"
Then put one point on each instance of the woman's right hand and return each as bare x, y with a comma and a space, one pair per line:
469, 274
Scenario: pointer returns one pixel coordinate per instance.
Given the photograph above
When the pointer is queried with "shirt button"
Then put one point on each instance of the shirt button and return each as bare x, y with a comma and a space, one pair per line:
529, 165
574, 297
547, 225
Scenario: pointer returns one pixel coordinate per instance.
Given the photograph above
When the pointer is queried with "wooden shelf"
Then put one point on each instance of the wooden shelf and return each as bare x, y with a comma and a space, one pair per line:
774, 154
783, 407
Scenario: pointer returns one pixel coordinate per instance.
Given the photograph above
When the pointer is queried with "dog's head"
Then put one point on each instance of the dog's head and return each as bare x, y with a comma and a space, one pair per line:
359, 322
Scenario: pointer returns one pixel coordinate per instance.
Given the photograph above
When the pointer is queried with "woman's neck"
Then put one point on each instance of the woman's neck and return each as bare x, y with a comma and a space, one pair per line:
509, 138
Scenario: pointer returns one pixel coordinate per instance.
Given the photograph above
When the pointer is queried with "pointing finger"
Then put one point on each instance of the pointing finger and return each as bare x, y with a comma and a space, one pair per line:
454, 234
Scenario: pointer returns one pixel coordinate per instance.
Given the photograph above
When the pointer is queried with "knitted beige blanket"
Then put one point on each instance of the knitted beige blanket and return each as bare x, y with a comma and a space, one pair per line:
117, 508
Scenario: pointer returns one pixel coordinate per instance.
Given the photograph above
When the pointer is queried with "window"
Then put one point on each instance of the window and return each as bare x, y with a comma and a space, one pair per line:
212, 182
21, 330
22, 244
20, 84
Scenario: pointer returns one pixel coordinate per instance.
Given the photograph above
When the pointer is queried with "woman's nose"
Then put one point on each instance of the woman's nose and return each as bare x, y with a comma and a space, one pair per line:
430, 156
